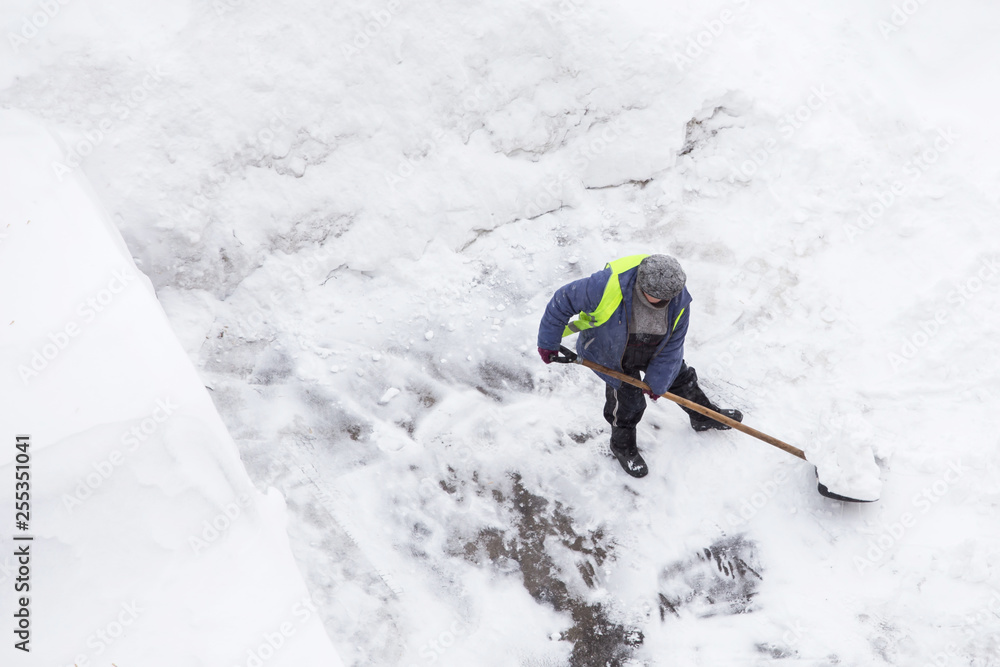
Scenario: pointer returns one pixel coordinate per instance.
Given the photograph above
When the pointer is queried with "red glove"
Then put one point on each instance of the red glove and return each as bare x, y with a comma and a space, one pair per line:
548, 355
649, 393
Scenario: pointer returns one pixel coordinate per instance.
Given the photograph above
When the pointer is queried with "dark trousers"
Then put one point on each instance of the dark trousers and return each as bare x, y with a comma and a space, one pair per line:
623, 407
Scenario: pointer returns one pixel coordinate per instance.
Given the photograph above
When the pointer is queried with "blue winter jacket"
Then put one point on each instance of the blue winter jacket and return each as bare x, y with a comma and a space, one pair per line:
605, 344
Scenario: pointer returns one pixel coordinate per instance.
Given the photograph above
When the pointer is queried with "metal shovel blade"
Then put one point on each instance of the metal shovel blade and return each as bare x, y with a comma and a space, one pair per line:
827, 493
570, 357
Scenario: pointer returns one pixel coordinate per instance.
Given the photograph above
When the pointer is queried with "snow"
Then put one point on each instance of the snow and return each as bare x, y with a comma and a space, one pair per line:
151, 545
335, 203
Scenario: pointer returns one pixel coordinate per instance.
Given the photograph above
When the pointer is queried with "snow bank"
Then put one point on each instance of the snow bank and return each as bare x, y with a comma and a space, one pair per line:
151, 546
325, 226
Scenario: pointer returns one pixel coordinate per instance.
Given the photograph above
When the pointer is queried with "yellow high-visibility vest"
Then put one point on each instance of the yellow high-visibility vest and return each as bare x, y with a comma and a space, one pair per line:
611, 298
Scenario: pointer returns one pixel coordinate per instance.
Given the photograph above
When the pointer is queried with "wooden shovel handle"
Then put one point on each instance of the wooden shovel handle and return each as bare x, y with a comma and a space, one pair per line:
794, 451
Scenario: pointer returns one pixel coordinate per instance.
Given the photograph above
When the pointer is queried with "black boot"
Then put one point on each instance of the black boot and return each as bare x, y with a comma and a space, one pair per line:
700, 422
624, 448
686, 386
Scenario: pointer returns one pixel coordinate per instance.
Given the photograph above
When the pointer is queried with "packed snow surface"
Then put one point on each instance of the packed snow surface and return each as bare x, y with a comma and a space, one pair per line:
150, 545
335, 201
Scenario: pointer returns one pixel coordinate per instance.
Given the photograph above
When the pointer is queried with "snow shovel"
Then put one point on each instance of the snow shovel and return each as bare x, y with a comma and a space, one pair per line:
570, 357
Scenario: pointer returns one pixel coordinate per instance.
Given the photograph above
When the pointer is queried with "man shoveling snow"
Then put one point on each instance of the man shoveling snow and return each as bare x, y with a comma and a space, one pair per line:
632, 317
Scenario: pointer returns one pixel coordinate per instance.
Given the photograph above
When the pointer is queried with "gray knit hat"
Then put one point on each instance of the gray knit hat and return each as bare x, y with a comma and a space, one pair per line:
661, 277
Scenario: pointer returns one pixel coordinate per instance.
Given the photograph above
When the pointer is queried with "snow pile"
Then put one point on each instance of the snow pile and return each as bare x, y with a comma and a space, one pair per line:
850, 472
353, 215
151, 546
